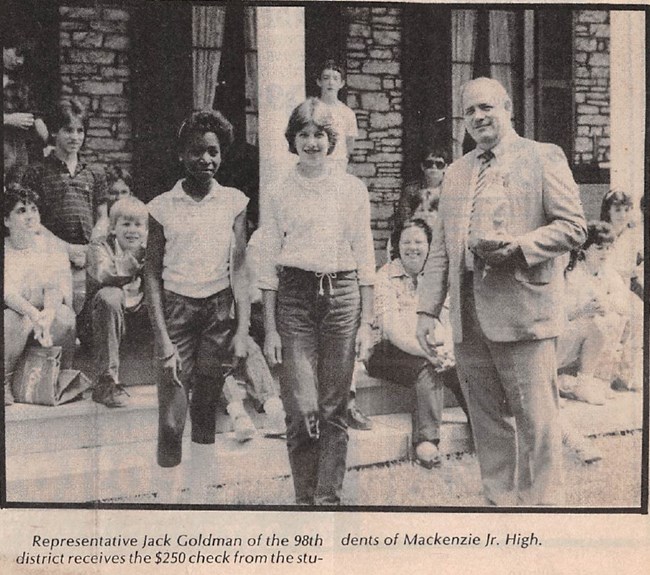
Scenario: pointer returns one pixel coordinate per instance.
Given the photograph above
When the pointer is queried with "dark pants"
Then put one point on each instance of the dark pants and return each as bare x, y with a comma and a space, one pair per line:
389, 362
511, 391
201, 330
318, 329
110, 321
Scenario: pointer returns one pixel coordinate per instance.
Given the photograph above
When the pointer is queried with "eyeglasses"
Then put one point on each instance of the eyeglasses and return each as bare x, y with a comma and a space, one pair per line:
437, 164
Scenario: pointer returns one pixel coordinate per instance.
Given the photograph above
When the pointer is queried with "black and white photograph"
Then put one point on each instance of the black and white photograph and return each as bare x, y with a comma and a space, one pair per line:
318, 256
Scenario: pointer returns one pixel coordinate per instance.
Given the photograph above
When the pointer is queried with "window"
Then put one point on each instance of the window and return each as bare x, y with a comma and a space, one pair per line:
485, 43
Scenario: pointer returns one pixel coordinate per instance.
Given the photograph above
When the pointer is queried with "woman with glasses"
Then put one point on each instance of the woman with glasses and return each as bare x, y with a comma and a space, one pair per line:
420, 199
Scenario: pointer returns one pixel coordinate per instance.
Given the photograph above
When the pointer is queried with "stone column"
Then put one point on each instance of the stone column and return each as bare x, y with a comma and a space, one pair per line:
627, 52
281, 85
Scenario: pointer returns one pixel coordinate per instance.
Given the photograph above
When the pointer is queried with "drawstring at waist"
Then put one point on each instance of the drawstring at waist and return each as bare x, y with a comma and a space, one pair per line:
321, 277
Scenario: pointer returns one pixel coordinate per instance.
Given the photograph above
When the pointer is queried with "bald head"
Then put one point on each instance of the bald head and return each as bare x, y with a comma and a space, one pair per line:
487, 110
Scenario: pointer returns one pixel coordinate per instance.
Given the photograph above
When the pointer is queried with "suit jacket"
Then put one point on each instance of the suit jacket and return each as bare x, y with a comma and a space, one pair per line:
520, 301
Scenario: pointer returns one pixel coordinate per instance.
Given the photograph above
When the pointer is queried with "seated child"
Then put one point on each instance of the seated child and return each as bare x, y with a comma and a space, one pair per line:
118, 181
597, 311
37, 294
255, 380
115, 297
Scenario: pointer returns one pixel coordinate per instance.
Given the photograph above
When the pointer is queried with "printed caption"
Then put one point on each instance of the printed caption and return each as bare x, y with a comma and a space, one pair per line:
174, 549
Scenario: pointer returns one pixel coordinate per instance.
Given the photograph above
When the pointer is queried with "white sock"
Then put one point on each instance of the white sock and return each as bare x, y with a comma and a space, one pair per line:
168, 484
201, 471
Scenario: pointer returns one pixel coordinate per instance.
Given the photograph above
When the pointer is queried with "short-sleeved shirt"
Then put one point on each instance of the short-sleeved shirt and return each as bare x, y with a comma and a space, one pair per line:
69, 202
198, 238
31, 271
345, 123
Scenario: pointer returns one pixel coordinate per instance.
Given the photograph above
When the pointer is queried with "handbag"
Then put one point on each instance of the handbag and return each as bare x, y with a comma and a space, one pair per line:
39, 378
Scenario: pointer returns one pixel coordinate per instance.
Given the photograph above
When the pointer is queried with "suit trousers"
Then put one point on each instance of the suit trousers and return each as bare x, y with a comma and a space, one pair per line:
318, 318
511, 392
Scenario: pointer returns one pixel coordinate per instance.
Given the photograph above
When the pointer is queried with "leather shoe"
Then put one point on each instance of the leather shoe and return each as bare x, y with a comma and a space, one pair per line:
357, 419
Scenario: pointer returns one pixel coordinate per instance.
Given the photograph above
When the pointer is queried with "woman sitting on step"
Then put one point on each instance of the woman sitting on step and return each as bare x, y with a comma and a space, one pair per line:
37, 285
397, 356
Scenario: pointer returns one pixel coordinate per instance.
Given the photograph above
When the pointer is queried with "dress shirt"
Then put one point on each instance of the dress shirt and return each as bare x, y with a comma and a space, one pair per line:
318, 224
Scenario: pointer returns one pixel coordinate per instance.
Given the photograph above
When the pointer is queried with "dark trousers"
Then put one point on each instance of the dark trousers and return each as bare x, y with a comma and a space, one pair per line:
511, 391
389, 362
109, 322
201, 329
318, 328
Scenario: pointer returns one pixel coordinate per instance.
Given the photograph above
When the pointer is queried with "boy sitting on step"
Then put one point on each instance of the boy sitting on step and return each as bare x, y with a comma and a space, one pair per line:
114, 295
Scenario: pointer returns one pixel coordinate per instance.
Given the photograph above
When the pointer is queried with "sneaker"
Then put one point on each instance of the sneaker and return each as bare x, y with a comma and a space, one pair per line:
590, 390
427, 455
244, 428
581, 446
109, 393
357, 419
9, 396
275, 418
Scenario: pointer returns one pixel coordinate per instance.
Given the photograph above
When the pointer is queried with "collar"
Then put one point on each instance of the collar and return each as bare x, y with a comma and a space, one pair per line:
59, 163
499, 150
396, 269
177, 192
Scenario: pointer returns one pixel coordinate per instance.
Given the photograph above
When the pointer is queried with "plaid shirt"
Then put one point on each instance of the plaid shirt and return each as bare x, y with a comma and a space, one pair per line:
68, 202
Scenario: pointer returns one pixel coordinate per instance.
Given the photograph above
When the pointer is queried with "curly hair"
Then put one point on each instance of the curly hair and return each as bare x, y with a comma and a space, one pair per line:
311, 111
614, 198
14, 194
599, 233
396, 236
206, 121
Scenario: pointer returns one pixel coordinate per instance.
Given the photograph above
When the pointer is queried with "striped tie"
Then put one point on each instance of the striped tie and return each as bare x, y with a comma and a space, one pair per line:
481, 183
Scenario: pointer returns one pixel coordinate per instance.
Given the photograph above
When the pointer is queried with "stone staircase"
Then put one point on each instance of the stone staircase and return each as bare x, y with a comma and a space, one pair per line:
81, 451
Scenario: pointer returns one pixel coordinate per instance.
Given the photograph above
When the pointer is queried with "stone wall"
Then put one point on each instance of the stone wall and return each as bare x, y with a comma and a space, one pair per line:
375, 94
592, 87
94, 60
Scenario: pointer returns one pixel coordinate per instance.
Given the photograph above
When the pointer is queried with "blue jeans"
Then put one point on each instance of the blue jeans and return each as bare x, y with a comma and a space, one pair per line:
318, 318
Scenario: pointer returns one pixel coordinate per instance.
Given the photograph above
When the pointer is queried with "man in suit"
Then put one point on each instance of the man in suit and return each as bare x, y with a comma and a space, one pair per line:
507, 210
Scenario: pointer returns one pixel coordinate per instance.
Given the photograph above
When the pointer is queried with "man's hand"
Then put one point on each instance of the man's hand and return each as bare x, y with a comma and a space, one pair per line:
496, 251
22, 120
426, 334
273, 348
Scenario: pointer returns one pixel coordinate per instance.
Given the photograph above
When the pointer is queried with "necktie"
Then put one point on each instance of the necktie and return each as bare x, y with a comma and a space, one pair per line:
482, 180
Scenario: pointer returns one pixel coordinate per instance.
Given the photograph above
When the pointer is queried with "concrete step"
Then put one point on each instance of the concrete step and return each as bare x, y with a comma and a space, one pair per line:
379, 396
84, 423
128, 469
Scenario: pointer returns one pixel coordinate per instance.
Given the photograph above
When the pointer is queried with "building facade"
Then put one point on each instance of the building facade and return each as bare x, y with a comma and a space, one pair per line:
140, 67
